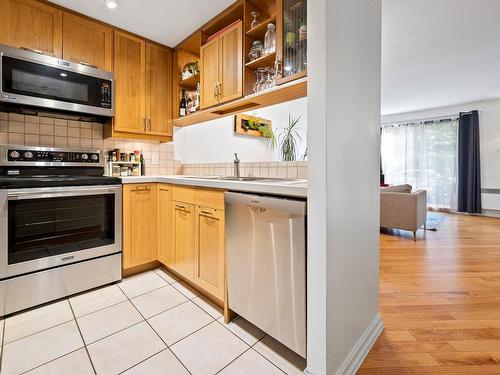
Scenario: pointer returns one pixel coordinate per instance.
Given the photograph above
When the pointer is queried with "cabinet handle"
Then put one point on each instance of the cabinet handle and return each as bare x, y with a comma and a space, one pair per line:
144, 122
215, 90
142, 188
149, 124
180, 207
207, 213
40, 52
87, 64
278, 66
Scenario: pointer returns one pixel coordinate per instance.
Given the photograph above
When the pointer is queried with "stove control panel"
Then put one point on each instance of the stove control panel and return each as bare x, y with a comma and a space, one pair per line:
52, 156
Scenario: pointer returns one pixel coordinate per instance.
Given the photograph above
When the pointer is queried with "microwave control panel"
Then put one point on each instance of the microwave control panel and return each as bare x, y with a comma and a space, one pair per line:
106, 94
51, 156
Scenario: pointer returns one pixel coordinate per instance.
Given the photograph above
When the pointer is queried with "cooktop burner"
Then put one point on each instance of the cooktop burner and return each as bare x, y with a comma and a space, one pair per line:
35, 167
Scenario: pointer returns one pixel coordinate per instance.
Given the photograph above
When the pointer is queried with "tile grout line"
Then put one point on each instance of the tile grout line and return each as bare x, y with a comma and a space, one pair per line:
37, 332
246, 350
81, 335
53, 360
157, 334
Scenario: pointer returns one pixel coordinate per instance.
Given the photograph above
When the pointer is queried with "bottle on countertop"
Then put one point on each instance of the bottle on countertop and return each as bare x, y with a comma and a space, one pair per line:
143, 165
183, 105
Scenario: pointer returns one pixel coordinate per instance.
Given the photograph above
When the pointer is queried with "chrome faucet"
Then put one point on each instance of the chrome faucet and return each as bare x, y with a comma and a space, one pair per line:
236, 166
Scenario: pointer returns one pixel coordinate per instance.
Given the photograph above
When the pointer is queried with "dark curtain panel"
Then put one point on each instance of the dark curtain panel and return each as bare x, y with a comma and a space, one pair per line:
469, 167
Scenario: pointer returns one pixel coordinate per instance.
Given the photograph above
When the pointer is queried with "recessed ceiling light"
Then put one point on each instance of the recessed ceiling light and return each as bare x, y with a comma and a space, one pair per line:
111, 4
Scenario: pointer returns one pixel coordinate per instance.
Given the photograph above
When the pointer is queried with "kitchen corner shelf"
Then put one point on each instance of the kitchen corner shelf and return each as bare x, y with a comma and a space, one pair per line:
190, 82
278, 94
266, 60
259, 32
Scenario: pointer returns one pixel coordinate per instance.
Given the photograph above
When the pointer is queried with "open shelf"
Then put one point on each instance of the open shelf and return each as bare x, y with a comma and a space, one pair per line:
258, 33
278, 94
191, 82
263, 61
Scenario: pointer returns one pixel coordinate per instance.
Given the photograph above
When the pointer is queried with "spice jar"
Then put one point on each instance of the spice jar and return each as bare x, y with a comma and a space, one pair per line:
115, 170
256, 50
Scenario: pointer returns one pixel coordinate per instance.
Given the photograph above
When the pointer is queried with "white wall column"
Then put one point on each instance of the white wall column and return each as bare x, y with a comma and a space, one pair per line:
344, 39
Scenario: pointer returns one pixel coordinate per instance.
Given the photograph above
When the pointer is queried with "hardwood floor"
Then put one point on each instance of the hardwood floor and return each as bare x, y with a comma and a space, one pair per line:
440, 301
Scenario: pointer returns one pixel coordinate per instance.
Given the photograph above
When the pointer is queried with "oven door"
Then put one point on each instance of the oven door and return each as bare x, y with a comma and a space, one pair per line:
44, 228
43, 81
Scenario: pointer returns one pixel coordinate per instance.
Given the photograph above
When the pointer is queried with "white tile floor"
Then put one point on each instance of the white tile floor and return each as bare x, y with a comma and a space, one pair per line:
146, 324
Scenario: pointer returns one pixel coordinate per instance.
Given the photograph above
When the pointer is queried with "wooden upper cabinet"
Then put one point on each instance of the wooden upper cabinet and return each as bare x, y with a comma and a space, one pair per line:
130, 72
139, 224
88, 42
209, 73
210, 250
231, 64
222, 67
165, 250
31, 24
158, 90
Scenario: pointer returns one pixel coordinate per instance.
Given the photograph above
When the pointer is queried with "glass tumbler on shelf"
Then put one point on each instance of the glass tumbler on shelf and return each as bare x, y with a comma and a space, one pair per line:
258, 77
255, 22
270, 39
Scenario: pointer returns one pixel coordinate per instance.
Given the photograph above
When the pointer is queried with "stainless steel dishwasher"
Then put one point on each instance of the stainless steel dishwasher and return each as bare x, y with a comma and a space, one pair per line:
266, 264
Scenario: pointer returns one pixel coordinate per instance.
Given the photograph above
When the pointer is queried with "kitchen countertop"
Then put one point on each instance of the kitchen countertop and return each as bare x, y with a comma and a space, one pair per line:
294, 188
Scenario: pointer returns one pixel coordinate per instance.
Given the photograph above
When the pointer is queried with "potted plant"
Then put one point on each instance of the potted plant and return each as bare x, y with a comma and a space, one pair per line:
289, 138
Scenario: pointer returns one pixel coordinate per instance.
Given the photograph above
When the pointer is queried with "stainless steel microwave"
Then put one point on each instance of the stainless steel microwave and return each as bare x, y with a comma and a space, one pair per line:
36, 80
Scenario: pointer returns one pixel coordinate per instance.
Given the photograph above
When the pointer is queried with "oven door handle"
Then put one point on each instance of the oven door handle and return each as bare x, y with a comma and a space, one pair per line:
18, 195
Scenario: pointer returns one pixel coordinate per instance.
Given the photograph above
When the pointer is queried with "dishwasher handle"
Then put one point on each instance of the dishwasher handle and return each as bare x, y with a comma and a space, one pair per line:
267, 203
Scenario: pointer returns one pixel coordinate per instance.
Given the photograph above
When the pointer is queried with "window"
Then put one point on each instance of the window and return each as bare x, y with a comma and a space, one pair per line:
424, 155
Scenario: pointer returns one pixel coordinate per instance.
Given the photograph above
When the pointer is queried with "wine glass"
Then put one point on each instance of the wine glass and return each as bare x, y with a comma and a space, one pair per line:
254, 23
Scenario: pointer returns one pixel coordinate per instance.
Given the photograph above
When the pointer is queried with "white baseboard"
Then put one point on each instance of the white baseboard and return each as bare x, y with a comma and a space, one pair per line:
360, 350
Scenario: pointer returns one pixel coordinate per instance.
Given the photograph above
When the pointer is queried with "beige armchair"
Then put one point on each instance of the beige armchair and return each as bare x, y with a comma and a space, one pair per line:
402, 209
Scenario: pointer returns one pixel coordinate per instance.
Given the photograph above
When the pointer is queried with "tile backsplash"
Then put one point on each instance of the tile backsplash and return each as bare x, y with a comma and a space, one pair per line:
293, 169
18, 129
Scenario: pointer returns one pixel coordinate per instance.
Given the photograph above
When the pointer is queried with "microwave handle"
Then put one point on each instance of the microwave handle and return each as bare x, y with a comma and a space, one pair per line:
40, 52
87, 64
20, 195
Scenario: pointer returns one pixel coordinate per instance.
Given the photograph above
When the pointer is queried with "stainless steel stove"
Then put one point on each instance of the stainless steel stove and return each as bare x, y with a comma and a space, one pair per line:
60, 225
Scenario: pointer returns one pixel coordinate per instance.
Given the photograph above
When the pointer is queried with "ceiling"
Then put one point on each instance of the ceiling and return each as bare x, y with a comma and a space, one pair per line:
439, 53
164, 21
434, 53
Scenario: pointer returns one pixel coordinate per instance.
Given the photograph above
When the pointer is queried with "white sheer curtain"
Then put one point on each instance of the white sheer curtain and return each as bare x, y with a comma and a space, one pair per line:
424, 155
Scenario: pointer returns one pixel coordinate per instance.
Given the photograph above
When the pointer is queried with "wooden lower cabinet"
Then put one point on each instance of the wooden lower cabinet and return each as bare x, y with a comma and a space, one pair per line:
165, 249
182, 227
139, 225
183, 238
210, 250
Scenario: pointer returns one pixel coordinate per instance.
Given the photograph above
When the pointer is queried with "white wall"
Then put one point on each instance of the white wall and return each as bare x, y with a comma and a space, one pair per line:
215, 141
343, 197
489, 128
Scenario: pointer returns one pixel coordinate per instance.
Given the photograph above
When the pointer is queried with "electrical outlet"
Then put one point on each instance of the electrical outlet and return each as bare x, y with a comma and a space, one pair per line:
154, 159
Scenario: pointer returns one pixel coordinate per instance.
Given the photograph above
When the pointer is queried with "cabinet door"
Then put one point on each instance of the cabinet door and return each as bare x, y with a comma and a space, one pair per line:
139, 224
165, 250
88, 42
183, 238
231, 64
31, 24
130, 79
291, 40
159, 89
210, 250
209, 73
